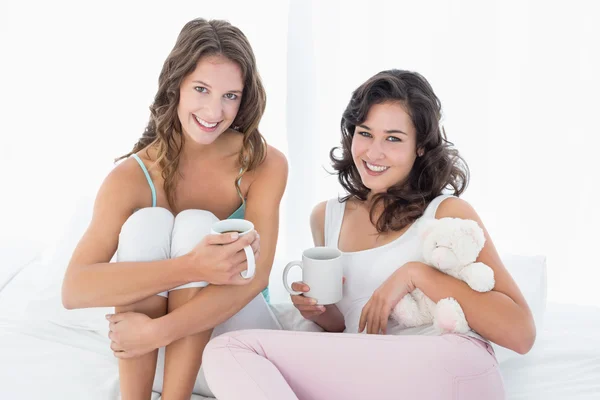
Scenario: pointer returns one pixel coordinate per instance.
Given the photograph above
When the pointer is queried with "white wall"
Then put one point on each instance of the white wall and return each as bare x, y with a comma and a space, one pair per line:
77, 79
518, 82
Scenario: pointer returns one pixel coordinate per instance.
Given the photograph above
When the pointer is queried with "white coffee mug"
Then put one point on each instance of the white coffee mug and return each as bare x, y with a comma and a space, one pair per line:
243, 227
322, 271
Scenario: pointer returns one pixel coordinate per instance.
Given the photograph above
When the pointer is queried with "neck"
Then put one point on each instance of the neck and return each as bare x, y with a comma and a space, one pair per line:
193, 151
367, 204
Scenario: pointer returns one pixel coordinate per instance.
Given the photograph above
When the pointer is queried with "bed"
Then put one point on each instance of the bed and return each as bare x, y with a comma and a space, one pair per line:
48, 353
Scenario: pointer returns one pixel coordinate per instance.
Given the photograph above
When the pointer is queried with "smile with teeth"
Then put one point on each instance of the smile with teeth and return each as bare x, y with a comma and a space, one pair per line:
375, 168
204, 123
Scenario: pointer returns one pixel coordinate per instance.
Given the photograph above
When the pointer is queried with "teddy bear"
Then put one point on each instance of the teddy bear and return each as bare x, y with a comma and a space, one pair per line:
450, 245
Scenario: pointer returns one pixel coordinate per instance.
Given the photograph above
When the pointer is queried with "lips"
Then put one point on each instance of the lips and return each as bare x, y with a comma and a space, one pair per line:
374, 169
205, 125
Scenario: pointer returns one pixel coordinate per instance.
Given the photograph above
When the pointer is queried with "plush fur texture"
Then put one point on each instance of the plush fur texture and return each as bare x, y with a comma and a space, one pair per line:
451, 245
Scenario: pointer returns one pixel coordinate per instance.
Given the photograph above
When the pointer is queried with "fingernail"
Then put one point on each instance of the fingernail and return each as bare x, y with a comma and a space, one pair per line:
313, 301
235, 235
108, 316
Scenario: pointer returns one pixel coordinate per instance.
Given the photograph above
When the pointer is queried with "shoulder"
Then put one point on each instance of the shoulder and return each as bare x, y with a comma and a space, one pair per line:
275, 160
271, 175
124, 184
317, 216
273, 167
455, 207
317, 223
124, 174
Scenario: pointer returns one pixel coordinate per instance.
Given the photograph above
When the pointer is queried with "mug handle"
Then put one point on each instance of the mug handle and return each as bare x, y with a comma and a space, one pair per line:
249, 273
286, 270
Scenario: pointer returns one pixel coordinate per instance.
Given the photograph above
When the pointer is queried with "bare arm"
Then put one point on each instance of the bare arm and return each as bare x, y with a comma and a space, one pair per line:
501, 315
91, 280
215, 304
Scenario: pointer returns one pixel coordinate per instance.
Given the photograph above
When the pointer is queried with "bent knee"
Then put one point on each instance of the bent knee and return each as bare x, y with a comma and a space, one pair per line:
189, 229
146, 235
242, 340
465, 357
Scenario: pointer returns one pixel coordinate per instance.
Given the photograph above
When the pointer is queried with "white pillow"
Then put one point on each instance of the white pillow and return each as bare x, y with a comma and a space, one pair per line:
16, 254
529, 273
47, 304
17, 258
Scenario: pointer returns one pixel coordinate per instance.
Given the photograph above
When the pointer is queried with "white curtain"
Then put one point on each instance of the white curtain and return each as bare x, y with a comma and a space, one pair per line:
518, 81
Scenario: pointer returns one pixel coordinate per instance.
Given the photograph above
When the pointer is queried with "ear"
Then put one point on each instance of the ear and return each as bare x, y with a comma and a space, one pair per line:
420, 152
472, 228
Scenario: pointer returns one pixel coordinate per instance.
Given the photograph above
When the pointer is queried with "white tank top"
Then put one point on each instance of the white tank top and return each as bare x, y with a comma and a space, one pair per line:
366, 270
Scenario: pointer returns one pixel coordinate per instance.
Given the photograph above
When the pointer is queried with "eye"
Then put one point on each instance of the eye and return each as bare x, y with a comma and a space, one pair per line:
200, 89
365, 134
231, 96
393, 139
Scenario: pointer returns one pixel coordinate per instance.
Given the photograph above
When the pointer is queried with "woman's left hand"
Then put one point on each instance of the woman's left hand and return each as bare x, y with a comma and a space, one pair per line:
375, 313
132, 334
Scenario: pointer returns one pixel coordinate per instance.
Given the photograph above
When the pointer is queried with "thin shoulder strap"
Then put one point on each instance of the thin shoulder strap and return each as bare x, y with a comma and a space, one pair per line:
334, 214
239, 182
139, 160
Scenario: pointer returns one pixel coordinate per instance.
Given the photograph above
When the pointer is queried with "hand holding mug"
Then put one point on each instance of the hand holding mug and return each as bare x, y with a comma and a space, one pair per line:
228, 255
308, 307
322, 274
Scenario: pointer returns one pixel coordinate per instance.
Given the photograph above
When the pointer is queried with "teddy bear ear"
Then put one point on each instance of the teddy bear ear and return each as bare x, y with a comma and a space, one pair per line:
473, 229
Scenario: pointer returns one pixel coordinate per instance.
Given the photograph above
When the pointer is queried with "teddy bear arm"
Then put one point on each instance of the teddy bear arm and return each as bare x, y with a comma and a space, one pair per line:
410, 311
478, 276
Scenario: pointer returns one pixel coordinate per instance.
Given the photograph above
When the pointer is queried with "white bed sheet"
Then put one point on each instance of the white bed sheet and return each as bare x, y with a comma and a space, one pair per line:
41, 360
565, 360
44, 361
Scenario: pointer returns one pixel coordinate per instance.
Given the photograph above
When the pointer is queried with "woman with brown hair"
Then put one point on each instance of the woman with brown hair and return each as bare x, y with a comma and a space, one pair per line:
201, 159
399, 171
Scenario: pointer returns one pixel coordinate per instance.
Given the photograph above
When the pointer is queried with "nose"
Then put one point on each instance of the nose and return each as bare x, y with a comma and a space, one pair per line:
214, 110
375, 151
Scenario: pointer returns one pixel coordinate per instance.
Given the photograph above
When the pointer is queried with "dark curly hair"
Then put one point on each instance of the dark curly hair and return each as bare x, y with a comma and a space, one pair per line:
439, 168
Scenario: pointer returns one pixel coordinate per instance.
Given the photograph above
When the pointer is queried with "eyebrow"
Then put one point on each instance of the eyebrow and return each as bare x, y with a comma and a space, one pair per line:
389, 132
208, 86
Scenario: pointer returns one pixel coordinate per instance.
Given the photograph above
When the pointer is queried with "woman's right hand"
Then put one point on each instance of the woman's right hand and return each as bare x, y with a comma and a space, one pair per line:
327, 316
307, 306
219, 259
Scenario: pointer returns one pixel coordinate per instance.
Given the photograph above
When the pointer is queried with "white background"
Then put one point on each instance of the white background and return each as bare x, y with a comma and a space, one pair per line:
518, 81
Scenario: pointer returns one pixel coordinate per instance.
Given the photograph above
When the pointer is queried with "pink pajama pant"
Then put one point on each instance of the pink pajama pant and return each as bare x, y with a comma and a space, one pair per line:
282, 365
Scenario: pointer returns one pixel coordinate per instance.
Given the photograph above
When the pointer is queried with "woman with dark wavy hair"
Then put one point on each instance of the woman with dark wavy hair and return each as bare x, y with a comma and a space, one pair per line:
399, 171
201, 159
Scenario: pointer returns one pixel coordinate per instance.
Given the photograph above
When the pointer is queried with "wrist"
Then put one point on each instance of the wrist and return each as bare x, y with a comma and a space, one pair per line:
331, 320
161, 332
189, 269
417, 272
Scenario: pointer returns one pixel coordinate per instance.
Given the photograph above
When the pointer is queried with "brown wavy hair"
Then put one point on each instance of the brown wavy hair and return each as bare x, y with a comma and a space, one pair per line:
439, 168
201, 38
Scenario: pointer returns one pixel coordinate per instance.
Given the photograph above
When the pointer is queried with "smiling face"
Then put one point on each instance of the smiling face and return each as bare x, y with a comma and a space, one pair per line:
209, 98
384, 146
